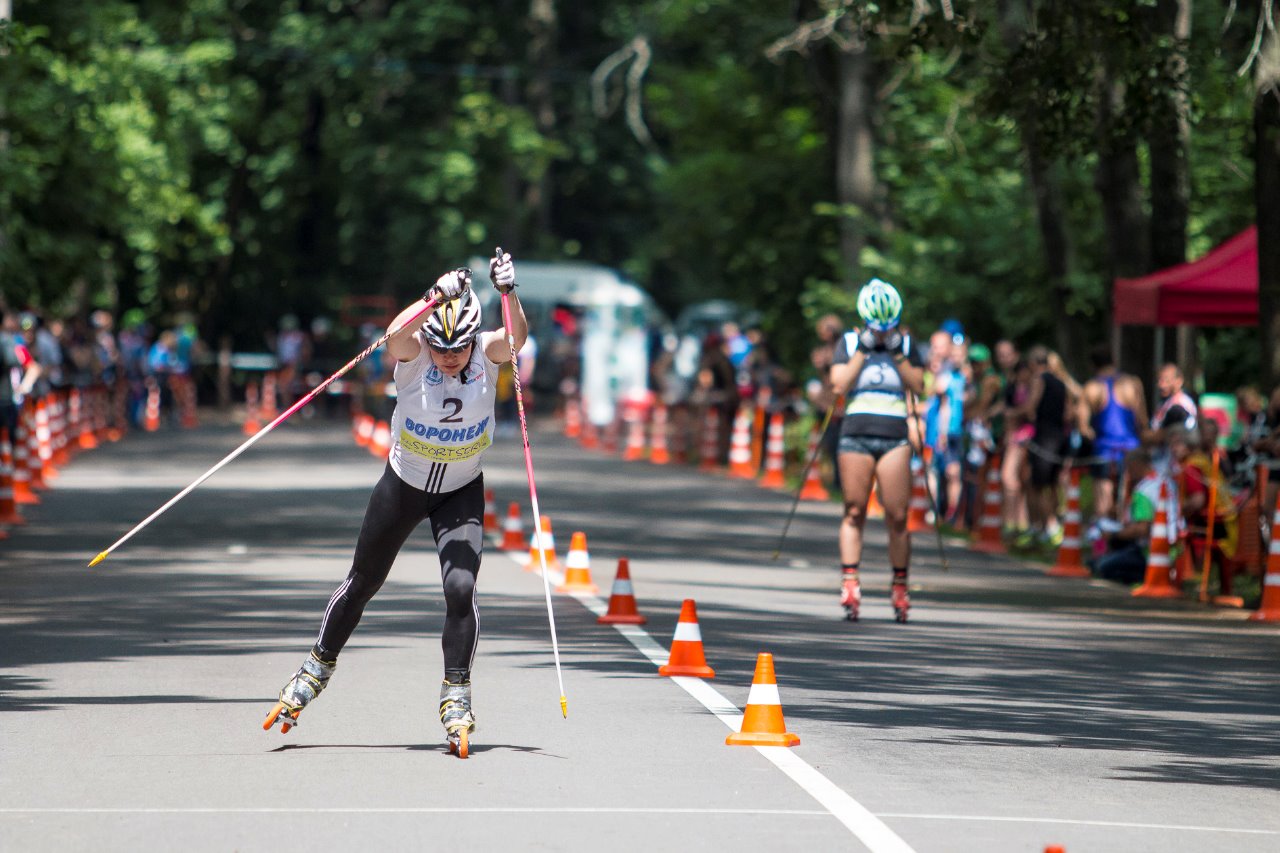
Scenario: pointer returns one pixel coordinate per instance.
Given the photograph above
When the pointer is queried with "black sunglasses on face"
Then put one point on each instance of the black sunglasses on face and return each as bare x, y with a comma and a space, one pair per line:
453, 349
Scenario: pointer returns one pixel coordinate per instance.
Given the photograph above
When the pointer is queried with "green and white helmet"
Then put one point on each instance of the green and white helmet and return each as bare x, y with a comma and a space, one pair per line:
879, 305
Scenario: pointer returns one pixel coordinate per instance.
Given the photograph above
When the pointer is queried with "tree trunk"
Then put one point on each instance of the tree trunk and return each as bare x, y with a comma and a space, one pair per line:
1057, 248
542, 57
1167, 141
1266, 126
1050, 215
1118, 183
856, 186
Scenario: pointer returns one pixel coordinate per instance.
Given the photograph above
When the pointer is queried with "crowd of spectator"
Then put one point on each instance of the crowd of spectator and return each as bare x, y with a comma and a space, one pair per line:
1026, 413
47, 353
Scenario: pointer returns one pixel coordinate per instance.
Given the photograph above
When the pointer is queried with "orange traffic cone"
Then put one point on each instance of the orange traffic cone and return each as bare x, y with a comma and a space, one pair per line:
1269, 608
362, 429
635, 438
490, 513
8, 503
659, 454
34, 466
918, 508
58, 429
512, 532
622, 600
875, 509
543, 547
44, 442
758, 422
81, 416
708, 460
151, 415
775, 455
762, 722
188, 403
22, 492
590, 436
1069, 564
572, 418
687, 657
813, 490
1157, 583
988, 539
380, 443
740, 462
251, 423
269, 410
577, 567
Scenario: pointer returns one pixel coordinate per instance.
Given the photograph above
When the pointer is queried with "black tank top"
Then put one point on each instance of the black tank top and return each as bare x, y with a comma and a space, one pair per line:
1051, 413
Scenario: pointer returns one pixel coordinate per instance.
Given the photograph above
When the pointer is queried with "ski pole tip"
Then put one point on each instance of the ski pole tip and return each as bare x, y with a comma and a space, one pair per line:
564, 706
98, 559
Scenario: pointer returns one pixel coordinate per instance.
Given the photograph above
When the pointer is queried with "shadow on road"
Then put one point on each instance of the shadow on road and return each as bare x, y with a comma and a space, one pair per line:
1202, 702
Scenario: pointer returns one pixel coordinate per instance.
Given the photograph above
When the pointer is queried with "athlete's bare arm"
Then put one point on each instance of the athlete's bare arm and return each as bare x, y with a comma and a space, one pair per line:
498, 349
402, 344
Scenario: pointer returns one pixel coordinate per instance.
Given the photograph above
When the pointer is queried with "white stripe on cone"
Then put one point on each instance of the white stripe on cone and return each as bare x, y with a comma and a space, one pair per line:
688, 632
622, 587
764, 694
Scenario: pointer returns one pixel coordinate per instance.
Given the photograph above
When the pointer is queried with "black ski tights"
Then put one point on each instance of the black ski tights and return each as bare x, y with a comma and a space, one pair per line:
395, 509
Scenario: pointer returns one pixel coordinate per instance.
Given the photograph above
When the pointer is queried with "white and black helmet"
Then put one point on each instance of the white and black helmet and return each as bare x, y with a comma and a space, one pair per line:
454, 323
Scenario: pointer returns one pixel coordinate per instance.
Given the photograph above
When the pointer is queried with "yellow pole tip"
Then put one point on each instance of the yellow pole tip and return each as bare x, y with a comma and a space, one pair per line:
98, 559
564, 707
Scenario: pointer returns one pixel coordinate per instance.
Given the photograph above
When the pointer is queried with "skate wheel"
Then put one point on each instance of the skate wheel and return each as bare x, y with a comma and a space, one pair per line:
901, 617
458, 743
285, 724
850, 615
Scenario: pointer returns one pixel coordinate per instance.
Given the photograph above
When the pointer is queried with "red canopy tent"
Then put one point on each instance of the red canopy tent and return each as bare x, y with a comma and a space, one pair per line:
1220, 289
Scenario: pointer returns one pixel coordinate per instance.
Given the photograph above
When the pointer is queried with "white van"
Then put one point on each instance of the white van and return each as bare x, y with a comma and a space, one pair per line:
589, 323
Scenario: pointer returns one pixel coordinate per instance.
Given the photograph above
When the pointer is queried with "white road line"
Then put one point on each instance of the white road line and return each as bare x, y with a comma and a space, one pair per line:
420, 810
1111, 823
868, 829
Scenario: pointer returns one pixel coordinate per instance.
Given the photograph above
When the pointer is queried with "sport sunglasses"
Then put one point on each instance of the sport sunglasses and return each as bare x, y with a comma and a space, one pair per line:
456, 348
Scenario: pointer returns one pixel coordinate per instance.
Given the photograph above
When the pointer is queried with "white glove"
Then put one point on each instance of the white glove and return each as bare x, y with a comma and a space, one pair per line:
502, 272
451, 285
893, 341
868, 341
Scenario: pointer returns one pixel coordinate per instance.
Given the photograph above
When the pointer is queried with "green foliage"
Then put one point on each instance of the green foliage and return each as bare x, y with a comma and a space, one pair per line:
243, 160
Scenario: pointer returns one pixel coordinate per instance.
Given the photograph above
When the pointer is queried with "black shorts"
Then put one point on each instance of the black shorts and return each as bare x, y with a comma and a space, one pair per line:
1045, 459
875, 446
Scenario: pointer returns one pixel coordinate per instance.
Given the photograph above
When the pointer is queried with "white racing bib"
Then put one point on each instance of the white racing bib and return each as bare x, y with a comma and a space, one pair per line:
442, 424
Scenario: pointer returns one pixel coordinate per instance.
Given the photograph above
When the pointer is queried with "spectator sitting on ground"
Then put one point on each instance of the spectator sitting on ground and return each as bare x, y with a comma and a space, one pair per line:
1192, 454
1129, 542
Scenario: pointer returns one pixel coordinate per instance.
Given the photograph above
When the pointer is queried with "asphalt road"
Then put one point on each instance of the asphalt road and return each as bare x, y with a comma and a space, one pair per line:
1013, 712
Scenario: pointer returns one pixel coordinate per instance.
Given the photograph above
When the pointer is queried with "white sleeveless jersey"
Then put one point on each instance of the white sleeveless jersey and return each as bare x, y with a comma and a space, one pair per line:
442, 424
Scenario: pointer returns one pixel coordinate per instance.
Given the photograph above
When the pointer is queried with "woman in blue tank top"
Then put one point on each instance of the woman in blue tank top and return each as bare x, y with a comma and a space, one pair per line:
1111, 416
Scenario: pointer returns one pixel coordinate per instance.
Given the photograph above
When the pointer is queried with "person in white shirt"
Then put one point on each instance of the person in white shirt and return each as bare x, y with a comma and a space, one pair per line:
445, 374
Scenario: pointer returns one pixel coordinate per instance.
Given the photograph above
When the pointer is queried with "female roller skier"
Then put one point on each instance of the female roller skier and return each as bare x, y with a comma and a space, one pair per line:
875, 368
445, 377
